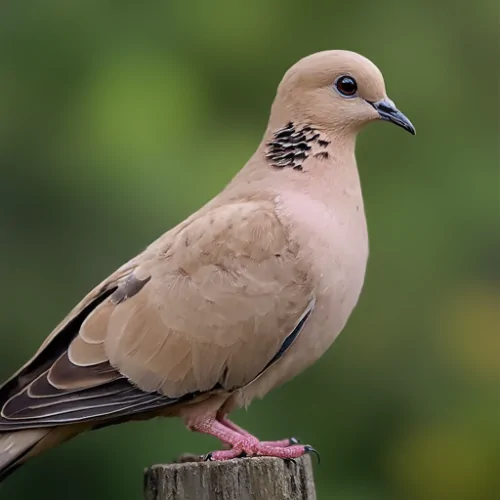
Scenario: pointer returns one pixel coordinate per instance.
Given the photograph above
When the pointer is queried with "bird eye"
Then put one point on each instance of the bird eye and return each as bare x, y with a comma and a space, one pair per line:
346, 86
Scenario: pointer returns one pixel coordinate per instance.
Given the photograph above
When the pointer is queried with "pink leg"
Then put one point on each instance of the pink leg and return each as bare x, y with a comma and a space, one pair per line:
282, 443
231, 425
247, 444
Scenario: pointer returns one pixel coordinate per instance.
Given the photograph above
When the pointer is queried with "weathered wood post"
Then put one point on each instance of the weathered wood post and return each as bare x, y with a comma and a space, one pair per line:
257, 478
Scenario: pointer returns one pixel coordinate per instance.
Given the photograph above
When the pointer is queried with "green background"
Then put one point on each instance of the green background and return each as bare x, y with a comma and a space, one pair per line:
118, 119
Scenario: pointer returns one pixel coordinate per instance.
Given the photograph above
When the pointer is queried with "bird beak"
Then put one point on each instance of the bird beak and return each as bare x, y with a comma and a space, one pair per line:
388, 111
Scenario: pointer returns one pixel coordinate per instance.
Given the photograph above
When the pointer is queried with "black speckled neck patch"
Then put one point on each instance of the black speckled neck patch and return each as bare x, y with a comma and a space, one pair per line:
291, 146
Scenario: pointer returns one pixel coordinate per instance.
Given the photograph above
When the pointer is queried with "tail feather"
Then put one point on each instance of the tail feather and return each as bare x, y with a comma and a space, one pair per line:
16, 446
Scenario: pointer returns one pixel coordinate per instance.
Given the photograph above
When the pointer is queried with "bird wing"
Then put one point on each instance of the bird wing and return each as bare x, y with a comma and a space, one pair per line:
208, 307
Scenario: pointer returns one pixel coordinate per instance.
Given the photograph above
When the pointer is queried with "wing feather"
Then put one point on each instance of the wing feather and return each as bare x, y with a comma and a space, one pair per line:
208, 307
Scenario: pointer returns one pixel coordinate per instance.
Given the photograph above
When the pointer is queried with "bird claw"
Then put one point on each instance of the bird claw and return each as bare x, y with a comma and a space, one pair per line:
208, 457
310, 449
293, 440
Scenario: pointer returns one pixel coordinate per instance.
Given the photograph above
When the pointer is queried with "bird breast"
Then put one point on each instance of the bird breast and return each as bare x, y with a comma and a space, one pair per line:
334, 245
333, 240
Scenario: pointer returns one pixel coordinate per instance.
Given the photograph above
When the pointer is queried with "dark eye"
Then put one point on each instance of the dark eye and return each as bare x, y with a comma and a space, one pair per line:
346, 85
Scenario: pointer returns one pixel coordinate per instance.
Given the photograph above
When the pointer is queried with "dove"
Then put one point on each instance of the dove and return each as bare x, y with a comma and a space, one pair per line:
234, 301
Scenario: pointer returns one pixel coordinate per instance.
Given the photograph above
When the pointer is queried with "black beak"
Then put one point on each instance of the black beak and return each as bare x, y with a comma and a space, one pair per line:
388, 111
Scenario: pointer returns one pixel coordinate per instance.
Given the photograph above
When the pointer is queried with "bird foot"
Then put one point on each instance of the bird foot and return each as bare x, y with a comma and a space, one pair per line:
244, 444
282, 443
252, 447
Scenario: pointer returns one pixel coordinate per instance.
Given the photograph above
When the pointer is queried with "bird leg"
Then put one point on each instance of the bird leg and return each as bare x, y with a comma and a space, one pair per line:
243, 443
282, 443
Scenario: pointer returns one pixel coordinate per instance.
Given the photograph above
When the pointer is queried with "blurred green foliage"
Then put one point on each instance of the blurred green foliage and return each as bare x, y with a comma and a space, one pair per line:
118, 119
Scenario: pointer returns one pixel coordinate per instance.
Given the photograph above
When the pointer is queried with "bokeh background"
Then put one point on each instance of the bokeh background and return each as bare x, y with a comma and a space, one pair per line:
118, 119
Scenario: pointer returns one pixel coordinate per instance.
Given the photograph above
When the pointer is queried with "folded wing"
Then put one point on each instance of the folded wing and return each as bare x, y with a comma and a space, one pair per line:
208, 307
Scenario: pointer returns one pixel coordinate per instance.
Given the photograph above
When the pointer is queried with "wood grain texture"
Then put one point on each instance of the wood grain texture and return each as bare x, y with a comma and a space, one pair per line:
261, 478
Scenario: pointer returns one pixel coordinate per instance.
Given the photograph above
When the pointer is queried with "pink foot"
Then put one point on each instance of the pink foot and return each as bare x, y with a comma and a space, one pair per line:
258, 449
282, 443
245, 444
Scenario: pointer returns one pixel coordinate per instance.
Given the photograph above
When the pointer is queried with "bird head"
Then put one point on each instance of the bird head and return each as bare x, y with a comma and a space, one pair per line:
336, 91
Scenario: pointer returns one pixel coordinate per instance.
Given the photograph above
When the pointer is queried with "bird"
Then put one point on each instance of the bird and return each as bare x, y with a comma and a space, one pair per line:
239, 298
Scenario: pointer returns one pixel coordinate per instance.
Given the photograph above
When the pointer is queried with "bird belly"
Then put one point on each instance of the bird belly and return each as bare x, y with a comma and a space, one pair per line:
334, 245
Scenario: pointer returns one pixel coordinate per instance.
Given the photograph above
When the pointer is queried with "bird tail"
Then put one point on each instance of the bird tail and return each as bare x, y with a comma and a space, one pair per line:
16, 447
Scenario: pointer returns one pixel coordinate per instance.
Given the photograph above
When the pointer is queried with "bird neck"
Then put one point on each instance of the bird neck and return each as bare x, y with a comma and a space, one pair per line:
304, 151
303, 158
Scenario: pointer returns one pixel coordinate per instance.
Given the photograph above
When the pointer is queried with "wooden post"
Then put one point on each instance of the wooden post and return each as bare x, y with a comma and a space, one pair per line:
256, 478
